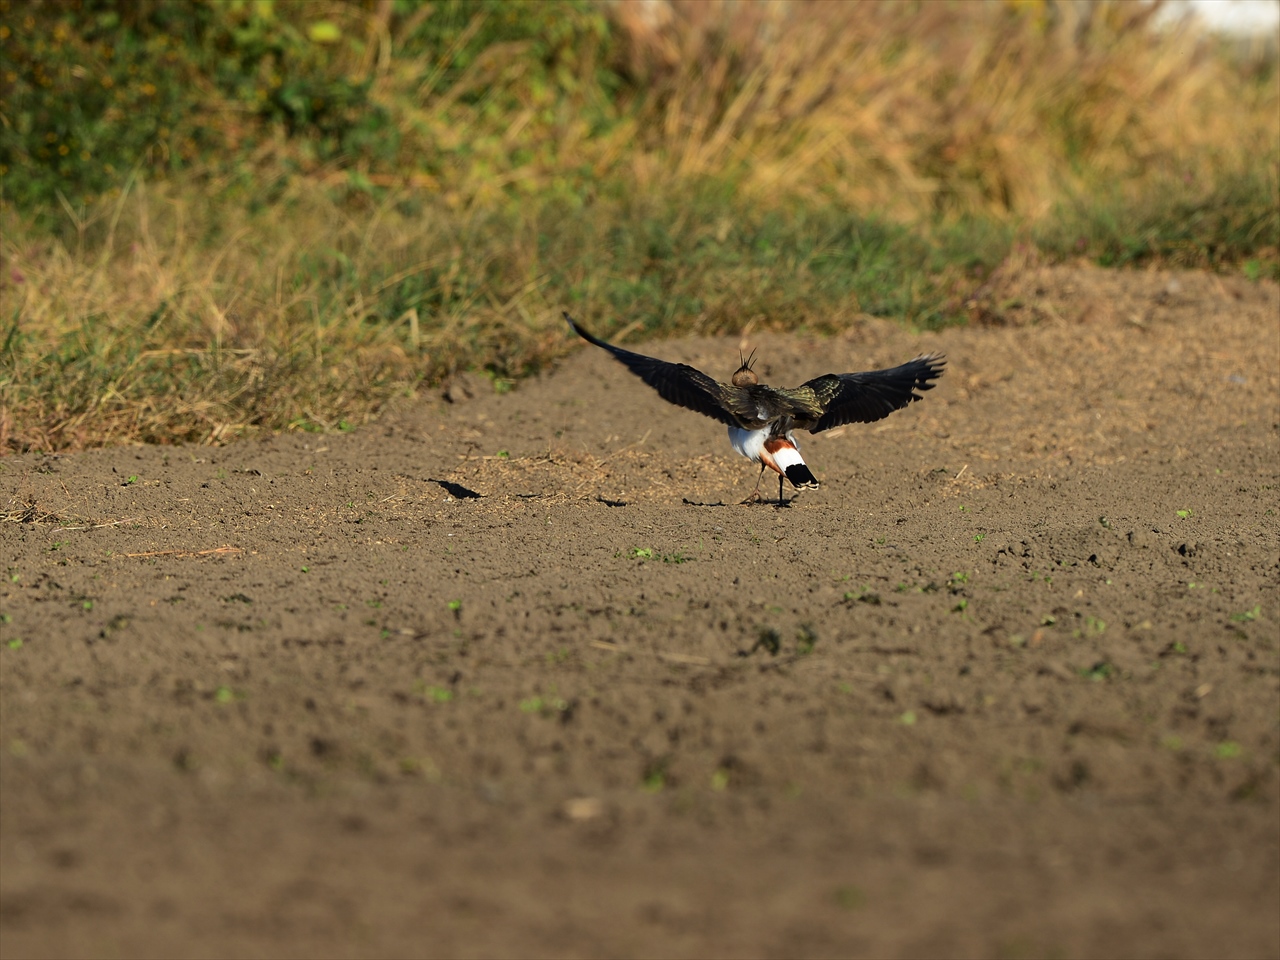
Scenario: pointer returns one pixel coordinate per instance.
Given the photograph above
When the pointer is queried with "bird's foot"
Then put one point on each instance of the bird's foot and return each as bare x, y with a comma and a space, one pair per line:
754, 498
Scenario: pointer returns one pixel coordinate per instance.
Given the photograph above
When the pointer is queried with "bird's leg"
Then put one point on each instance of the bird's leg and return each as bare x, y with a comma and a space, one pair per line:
755, 494
780, 502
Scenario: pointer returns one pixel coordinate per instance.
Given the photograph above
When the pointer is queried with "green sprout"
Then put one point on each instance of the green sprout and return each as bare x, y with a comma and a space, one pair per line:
806, 640
1099, 671
655, 776
435, 694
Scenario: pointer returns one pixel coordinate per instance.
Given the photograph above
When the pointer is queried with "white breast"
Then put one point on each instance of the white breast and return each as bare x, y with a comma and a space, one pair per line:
749, 443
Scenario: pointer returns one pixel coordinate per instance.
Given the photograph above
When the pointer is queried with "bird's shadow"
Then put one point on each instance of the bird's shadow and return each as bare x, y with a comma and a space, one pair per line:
458, 491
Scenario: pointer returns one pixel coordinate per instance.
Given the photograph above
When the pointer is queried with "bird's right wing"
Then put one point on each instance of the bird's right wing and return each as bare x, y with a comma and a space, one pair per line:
680, 383
866, 397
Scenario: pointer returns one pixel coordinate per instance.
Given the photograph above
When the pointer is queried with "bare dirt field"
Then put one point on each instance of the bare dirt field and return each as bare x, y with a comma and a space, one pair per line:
516, 675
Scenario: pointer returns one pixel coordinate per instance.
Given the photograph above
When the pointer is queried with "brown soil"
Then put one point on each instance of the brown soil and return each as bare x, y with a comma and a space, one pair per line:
493, 677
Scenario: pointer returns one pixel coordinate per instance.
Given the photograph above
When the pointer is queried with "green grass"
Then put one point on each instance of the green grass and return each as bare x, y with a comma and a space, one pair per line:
1233, 221
303, 316
220, 218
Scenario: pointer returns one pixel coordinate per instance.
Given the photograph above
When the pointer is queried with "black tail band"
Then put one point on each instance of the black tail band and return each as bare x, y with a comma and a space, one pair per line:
801, 476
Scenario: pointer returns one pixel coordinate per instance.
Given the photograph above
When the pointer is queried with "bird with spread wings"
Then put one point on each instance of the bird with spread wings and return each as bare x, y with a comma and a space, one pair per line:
761, 419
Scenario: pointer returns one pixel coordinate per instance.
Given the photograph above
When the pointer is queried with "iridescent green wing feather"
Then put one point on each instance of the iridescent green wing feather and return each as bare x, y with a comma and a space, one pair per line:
802, 404
871, 396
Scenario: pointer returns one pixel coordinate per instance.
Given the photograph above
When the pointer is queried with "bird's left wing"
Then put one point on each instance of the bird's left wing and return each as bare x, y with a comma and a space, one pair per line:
870, 396
678, 383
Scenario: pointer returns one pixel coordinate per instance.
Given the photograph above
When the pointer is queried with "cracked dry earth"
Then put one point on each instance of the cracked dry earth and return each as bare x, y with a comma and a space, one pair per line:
516, 675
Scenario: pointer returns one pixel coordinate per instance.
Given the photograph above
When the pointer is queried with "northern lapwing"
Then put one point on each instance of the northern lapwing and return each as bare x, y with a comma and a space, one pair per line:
761, 418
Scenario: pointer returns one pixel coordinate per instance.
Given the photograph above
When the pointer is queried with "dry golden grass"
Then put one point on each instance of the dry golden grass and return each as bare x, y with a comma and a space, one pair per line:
736, 170
984, 108
172, 318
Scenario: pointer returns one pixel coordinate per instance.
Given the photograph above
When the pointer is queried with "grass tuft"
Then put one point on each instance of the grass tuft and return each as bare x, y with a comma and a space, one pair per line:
218, 219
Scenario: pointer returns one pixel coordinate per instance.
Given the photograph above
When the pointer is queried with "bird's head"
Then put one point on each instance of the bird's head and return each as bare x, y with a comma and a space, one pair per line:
744, 376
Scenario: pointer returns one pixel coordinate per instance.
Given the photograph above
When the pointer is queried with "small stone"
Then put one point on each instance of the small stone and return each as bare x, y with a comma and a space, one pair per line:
583, 808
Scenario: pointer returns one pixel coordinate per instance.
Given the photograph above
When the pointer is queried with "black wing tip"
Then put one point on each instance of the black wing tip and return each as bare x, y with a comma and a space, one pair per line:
934, 361
930, 366
580, 331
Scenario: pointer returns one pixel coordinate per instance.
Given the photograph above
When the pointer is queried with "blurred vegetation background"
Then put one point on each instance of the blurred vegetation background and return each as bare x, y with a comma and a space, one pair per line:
219, 217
